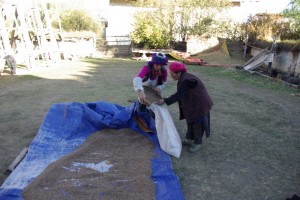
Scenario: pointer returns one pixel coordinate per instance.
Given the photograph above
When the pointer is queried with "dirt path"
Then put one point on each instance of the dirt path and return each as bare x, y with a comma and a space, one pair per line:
253, 151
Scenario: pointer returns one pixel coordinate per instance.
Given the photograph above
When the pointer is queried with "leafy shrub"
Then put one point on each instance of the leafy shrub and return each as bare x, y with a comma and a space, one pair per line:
167, 21
269, 27
147, 33
78, 20
280, 46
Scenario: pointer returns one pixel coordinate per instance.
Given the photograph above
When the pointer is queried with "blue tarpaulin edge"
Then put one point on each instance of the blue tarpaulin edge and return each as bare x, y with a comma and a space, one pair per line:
66, 126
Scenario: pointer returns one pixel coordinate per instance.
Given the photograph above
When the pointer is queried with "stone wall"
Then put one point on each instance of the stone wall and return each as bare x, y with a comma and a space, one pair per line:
286, 62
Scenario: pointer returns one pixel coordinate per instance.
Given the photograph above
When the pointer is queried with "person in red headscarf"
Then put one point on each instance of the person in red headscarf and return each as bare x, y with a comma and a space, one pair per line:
194, 105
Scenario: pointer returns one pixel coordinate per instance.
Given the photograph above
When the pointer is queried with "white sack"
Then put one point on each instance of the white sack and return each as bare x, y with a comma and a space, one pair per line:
167, 134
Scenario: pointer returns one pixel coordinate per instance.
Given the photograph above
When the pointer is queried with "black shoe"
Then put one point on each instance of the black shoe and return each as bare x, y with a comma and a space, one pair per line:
187, 142
194, 148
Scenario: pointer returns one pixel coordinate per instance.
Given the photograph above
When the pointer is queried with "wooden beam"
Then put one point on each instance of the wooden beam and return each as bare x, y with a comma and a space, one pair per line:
17, 160
5, 36
52, 46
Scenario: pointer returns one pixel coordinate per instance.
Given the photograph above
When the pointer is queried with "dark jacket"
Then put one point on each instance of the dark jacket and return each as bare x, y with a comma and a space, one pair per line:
192, 97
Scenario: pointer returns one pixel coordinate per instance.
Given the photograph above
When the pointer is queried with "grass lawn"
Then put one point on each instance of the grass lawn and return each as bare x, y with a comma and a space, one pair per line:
253, 151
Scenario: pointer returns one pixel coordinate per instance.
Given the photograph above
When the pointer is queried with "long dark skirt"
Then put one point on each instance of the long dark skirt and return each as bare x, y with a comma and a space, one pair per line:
196, 129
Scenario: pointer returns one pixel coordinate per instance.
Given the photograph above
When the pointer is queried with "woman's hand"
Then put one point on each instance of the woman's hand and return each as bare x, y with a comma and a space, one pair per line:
157, 90
160, 102
142, 97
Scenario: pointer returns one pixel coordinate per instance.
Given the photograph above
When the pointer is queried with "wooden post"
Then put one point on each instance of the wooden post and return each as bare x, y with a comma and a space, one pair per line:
53, 43
5, 37
24, 29
17, 160
246, 45
40, 32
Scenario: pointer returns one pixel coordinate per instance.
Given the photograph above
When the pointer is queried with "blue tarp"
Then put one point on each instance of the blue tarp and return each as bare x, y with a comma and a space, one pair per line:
67, 126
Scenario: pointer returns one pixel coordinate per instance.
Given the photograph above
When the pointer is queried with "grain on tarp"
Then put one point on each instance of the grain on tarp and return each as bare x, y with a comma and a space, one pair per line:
130, 154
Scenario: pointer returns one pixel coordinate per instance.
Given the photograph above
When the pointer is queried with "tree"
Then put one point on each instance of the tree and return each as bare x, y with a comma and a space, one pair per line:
148, 33
78, 20
166, 21
293, 13
266, 26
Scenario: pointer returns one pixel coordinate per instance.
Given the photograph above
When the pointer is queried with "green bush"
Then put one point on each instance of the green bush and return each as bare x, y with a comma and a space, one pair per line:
268, 27
147, 33
77, 20
292, 45
175, 20
292, 12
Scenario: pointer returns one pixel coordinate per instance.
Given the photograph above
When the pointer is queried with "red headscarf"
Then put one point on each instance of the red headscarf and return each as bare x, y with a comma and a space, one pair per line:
177, 67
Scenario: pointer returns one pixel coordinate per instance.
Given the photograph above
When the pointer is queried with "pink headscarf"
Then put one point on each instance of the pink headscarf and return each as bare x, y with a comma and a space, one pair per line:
177, 67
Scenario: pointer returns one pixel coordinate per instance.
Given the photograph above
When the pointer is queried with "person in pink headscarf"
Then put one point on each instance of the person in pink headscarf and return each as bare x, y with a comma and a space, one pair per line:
154, 74
194, 105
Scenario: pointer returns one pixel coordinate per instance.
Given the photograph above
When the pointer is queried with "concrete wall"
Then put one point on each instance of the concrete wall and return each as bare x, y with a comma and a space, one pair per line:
78, 47
288, 62
197, 44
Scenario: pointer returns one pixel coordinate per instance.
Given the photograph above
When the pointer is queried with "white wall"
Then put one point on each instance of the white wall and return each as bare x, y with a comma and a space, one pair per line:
120, 19
252, 7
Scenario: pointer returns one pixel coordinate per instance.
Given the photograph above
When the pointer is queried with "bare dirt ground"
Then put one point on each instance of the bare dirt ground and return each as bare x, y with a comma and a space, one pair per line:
253, 150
